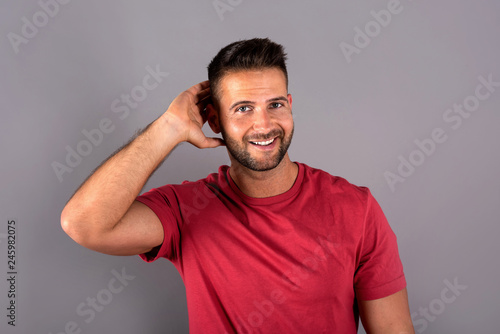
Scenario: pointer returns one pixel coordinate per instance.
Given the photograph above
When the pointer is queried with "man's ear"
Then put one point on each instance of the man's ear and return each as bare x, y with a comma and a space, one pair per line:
213, 118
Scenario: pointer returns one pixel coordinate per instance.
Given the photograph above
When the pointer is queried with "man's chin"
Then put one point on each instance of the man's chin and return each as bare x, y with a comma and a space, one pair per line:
256, 160
262, 165
262, 168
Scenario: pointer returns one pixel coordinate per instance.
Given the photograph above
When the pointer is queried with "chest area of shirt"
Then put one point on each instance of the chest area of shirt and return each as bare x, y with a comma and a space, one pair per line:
302, 254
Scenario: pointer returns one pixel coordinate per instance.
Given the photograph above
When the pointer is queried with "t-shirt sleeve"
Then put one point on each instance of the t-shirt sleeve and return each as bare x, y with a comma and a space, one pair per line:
165, 205
380, 271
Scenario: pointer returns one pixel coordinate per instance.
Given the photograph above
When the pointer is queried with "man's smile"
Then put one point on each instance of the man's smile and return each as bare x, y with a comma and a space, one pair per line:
263, 143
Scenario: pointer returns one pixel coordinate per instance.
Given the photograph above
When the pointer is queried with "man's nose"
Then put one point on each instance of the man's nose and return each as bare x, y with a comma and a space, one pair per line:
262, 120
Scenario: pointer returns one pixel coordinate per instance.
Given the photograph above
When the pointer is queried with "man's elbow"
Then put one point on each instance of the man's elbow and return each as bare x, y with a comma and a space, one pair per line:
76, 228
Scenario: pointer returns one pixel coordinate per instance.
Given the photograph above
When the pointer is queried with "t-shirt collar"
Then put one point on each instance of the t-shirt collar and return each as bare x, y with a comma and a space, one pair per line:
264, 200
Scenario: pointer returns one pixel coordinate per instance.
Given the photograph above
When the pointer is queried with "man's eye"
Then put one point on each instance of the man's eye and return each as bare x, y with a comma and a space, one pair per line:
242, 109
275, 105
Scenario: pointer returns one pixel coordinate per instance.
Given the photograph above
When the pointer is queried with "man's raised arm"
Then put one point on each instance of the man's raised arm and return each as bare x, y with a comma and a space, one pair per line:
103, 215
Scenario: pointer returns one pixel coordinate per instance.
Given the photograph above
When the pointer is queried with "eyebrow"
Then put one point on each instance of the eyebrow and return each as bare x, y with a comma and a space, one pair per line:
274, 99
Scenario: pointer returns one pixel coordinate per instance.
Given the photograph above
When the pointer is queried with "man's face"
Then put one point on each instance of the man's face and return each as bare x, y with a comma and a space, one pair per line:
255, 117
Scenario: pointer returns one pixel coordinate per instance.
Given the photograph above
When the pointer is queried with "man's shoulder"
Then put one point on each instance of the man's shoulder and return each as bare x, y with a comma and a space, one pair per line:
325, 181
214, 178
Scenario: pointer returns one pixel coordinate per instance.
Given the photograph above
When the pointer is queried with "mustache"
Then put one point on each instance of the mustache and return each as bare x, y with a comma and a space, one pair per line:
264, 136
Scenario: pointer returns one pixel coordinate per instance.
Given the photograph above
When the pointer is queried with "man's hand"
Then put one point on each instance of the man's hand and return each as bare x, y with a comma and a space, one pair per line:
187, 115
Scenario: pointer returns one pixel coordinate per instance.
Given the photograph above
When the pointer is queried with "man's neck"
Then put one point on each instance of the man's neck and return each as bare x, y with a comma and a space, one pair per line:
265, 184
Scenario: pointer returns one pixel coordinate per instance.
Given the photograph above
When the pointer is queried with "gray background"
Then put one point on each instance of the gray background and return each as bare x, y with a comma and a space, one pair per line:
353, 118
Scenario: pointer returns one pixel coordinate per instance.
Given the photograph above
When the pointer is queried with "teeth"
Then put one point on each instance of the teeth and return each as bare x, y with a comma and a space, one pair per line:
263, 143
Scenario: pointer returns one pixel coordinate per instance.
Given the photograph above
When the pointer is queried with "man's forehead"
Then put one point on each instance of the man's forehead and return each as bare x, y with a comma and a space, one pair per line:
256, 83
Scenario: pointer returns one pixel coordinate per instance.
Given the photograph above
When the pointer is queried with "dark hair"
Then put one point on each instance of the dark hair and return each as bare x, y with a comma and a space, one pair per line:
251, 54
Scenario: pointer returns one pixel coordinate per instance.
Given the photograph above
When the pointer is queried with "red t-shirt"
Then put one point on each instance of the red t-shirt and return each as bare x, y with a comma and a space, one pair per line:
292, 263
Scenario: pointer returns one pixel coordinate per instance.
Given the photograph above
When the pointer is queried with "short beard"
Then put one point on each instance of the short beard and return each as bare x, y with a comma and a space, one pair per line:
242, 155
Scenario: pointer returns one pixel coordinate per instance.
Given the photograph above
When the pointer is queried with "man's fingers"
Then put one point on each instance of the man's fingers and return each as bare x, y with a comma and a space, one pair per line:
199, 87
203, 97
205, 84
214, 142
202, 106
210, 142
204, 114
202, 85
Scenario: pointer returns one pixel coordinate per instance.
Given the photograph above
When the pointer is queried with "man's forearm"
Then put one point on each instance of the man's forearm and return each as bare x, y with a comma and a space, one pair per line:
103, 199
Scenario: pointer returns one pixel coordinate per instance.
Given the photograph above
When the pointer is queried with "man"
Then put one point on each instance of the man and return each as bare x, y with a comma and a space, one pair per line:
264, 246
